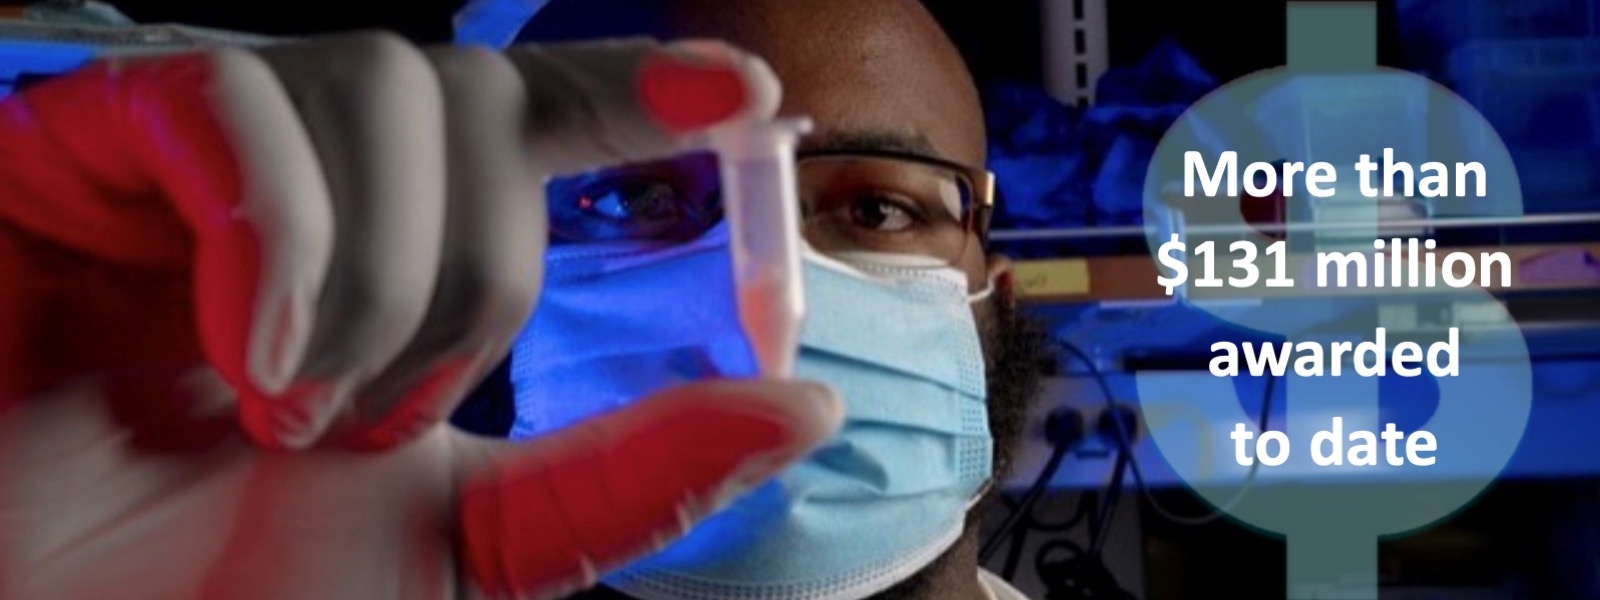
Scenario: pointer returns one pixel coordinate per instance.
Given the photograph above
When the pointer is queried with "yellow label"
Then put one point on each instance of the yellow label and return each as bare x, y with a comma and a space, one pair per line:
1046, 278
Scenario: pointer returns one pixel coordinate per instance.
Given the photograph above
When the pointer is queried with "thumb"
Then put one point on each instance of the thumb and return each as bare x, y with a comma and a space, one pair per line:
599, 104
546, 518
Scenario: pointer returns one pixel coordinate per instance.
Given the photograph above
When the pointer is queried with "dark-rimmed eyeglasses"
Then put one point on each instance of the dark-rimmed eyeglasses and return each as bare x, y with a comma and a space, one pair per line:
852, 202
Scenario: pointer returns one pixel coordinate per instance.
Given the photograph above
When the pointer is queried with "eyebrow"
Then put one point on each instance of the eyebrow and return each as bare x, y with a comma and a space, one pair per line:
867, 140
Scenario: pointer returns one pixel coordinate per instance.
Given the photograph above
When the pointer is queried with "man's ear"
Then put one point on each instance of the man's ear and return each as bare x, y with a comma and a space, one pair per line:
999, 271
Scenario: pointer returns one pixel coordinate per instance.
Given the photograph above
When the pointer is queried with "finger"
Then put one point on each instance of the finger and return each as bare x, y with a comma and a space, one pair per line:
495, 222
596, 104
489, 271
549, 517
372, 105
215, 135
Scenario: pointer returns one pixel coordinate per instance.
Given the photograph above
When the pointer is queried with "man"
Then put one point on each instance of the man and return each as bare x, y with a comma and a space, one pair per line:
243, 286
891, 101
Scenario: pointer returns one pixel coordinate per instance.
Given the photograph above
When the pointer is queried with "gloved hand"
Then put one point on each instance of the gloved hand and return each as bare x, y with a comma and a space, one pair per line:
239, 291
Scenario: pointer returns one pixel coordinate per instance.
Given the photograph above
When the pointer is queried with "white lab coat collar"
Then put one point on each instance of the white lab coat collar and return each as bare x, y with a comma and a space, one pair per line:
995, 588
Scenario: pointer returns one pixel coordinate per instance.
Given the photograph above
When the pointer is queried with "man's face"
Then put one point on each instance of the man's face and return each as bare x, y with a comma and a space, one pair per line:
882, 76
873, 77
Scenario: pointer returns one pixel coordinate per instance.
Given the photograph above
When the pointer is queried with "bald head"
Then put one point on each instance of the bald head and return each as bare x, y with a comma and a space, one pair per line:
872, 75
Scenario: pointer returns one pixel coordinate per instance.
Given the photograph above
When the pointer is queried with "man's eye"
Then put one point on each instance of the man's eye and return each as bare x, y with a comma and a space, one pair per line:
881, 214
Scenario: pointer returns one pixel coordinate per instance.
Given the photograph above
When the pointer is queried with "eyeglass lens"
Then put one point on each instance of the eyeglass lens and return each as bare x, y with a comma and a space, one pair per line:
849, 204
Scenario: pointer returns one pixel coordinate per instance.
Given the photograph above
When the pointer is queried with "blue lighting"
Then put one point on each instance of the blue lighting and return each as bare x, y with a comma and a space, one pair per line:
22, 60
494, 23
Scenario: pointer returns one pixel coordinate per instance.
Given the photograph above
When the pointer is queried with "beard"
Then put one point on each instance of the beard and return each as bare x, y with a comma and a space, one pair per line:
1021, 354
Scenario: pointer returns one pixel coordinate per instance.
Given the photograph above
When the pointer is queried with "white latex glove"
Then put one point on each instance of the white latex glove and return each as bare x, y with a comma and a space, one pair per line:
243, 289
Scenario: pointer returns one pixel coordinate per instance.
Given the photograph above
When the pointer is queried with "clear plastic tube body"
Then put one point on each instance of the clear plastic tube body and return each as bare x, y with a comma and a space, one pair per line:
759, 194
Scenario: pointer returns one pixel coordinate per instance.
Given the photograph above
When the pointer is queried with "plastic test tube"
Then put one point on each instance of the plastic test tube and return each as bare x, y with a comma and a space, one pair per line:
760, 197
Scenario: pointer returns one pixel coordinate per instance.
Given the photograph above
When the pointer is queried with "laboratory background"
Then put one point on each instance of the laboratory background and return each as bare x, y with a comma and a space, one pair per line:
1078, 94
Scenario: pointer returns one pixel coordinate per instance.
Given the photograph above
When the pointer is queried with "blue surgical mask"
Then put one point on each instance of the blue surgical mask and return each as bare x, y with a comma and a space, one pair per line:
616, 322
876, 504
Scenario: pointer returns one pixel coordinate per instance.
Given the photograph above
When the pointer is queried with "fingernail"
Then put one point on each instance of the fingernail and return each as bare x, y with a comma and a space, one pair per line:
280, 341
691, 86
828, 405
281, 362
302, 415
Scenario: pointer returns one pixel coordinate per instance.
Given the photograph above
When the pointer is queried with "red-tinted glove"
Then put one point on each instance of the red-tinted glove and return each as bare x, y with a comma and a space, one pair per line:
320, 247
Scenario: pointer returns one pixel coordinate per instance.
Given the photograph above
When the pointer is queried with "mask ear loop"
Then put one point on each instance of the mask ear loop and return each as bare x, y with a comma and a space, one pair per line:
983, 294
983, 490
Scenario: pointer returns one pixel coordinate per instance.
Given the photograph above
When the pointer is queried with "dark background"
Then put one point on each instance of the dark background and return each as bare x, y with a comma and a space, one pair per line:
989, 32
1536, 539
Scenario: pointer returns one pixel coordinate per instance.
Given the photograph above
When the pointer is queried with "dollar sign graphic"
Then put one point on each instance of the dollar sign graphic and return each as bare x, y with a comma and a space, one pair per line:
1332, 103
1170, 254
